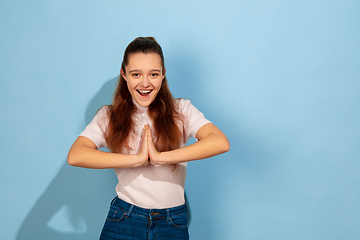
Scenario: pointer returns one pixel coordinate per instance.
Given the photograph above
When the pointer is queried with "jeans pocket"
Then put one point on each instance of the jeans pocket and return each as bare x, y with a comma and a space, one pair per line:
115, 214
180, 220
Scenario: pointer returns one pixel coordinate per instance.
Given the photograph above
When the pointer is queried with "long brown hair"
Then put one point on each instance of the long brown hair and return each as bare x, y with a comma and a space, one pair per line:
162, 110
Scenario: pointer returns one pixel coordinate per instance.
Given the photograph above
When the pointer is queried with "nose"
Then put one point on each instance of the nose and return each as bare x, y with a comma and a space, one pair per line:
145, 81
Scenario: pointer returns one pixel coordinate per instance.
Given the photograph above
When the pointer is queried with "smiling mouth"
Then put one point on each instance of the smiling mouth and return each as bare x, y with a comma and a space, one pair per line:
144, 92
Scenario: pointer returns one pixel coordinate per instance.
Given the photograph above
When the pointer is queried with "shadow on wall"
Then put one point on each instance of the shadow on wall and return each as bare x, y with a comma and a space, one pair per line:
75, 204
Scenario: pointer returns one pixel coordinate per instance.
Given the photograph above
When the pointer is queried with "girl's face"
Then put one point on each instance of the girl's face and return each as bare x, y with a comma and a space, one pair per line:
143, 75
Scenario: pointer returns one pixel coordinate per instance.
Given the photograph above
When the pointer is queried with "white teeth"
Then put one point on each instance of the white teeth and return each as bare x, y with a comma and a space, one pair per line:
144, 91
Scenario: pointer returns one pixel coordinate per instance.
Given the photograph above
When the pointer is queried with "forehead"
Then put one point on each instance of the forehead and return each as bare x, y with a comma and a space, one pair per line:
144, 61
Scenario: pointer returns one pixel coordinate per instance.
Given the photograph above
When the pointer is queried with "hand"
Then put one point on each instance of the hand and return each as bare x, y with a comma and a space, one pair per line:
143, 155
152, 151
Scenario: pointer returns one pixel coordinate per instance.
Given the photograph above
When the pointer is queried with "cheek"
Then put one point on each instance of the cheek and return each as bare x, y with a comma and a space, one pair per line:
158, 85
130, 85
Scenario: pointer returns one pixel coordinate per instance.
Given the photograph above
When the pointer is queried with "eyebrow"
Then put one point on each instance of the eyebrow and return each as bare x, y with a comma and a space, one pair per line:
138, 70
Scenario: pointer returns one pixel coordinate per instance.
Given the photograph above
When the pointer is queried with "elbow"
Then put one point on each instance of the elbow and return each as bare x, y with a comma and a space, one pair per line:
71, 159
225, 145
221, 144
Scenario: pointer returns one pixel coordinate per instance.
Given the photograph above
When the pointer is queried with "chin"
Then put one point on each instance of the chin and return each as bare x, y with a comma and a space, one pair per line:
144, 103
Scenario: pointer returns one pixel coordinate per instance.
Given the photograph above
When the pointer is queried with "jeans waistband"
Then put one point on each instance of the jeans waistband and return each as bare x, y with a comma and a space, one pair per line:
129, 209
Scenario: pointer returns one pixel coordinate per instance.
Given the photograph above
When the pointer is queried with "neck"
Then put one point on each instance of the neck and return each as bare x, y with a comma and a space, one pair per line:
141, 109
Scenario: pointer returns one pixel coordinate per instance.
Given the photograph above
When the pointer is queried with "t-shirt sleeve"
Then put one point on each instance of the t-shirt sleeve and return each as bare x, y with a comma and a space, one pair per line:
193, 119
96, 129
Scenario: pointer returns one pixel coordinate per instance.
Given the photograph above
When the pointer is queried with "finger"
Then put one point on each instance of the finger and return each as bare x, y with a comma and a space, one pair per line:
149, 134
143, 152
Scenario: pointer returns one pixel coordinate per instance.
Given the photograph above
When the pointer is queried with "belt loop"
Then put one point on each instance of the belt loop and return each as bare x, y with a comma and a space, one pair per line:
168, 217
129, 210
113, 200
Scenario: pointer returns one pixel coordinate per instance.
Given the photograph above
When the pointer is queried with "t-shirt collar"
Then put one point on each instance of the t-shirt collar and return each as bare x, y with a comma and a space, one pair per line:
141, 109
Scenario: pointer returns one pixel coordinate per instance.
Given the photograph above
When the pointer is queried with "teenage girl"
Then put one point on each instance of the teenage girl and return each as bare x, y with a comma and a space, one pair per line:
146, 130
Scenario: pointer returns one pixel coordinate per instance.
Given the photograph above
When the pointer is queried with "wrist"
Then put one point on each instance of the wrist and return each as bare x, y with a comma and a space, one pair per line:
158, 159
137, 160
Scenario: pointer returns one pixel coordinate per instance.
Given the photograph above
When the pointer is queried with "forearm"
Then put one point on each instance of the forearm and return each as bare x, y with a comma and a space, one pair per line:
207, 147
92, 158
84, 154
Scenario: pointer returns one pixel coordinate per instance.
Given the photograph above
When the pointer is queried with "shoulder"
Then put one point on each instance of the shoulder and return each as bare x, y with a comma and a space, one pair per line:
192, 117
188, 110
104, 111
183, 105
102, 116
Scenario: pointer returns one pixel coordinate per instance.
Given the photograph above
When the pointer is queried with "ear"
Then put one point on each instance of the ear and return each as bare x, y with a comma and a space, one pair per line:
164, 73
122, 74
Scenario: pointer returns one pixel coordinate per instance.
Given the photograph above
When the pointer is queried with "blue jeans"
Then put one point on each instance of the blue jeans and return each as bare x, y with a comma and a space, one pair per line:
129, 222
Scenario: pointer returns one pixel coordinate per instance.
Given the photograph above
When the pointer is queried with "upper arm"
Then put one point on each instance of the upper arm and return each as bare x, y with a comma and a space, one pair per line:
76, 150
213, 135
82, 141
96, 129
199, 127
207, 130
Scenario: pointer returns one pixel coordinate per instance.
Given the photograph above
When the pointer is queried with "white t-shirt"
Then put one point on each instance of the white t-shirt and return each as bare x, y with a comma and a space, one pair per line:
149, 186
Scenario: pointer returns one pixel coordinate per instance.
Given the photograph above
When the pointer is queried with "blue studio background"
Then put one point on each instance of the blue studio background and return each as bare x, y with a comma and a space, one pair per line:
280, 78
